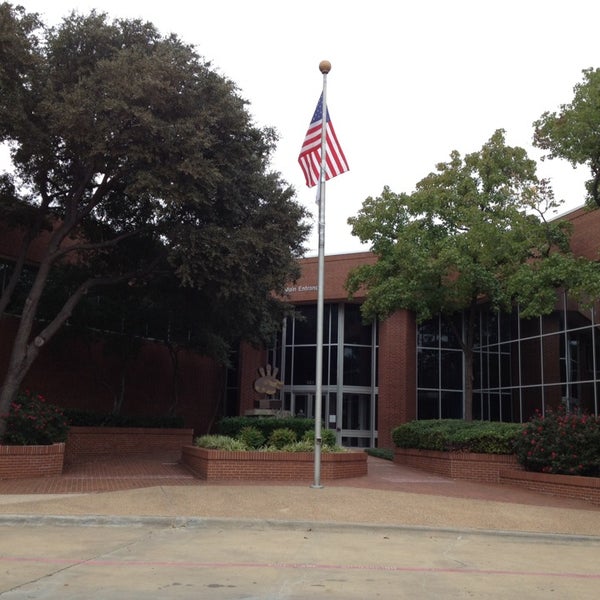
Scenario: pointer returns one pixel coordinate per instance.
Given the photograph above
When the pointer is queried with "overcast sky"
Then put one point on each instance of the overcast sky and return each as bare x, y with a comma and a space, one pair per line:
410, 80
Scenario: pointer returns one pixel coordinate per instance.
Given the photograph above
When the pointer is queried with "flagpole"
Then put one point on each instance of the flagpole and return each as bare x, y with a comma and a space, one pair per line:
324, 67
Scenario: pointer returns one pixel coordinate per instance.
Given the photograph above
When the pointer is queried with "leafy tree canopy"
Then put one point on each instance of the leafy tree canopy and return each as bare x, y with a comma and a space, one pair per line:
573, 133
139, 165
473, 231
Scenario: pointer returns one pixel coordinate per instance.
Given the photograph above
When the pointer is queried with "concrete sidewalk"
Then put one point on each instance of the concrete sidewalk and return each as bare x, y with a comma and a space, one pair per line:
391, 495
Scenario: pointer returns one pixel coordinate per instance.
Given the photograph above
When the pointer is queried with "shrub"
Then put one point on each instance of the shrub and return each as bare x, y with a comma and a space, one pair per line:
34, 421
232, 426
220, 442
327, 435
282, 437
455, 435
560, 442
251, 437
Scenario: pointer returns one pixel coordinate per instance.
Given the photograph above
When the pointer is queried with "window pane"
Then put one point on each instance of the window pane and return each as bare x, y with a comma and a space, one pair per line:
357, 365
305, 360
427, 335
428, 368
355, 332
452, 405
452, 370
427, 405
306, 325
530, 362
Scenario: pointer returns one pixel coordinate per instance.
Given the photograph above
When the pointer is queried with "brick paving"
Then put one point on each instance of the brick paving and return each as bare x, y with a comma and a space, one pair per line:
106, 474
129, 472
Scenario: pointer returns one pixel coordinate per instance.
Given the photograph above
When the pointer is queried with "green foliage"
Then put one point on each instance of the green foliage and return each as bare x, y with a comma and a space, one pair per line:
560, 442
144, 169
474, 229
34, 421
282, 437
385, 453
233, 425
251, 437
220, 442
327, 437
454, 435
573, 133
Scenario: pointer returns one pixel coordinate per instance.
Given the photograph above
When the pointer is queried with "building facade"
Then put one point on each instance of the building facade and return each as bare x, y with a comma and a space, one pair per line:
375, 375
378, 375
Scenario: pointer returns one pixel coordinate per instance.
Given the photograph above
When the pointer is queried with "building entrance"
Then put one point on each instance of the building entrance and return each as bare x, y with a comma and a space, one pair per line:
351, 419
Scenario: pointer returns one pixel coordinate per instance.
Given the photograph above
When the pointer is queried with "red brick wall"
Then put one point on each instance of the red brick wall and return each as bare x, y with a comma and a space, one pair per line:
74, 374
17, 462
457, 465
281, 466
84, 442
567, 486
397, 375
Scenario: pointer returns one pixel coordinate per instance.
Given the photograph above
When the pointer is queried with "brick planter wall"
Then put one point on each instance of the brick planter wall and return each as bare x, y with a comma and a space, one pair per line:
457, 465
567, 486
18, 462
84, 442
280, 466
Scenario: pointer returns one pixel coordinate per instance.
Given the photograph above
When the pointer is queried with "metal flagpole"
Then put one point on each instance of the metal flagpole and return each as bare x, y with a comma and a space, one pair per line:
324, 67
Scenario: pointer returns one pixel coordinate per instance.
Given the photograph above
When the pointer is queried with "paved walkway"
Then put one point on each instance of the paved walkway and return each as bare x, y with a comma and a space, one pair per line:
158, 487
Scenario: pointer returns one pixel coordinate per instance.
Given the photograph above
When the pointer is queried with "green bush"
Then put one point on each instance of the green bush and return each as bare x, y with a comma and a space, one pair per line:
327, 435
560, 442
232, 426
454, 435
251, 437
34, 421
220, 442
282, 437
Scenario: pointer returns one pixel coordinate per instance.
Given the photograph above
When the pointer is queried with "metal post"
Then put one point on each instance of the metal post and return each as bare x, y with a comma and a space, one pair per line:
324, 67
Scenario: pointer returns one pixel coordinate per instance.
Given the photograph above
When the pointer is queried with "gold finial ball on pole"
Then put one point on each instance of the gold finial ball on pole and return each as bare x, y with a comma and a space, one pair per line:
324, 67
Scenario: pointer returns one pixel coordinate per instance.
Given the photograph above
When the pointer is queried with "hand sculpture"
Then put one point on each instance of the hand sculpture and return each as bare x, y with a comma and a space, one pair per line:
268, 383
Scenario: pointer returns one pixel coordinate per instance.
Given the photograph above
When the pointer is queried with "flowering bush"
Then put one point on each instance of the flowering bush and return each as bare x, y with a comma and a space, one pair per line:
561, 442
34, 421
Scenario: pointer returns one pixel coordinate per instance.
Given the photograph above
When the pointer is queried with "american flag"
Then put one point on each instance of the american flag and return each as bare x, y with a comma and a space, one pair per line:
310, 154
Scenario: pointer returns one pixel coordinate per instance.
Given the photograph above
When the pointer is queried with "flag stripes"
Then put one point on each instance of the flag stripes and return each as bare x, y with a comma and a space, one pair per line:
310, 154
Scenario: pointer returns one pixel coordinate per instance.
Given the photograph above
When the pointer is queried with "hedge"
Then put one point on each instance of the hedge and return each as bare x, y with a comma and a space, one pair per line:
454, 435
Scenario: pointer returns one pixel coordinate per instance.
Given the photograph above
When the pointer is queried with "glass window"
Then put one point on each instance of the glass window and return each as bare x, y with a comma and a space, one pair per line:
305, 360
428, 368
452, 405
357, 365
452, 369
428, 404
427, 334
531, 372
355, 331
305, 325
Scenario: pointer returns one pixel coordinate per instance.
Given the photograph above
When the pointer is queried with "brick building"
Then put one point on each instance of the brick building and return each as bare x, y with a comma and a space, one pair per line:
375, 376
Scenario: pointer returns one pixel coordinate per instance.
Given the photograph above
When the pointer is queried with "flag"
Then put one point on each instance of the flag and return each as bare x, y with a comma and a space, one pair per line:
310, 154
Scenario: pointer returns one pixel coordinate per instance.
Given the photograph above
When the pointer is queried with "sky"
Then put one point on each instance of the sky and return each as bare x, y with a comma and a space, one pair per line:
410, 81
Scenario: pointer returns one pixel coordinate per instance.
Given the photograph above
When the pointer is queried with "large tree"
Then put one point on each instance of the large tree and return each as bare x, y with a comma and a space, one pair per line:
472, 232
573, 133
134, 163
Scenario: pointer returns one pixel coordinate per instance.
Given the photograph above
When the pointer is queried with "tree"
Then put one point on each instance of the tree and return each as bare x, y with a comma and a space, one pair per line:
574, 132
135, 164
474, 231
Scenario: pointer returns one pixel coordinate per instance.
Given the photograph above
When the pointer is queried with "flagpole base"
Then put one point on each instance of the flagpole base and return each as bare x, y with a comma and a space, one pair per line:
316, 486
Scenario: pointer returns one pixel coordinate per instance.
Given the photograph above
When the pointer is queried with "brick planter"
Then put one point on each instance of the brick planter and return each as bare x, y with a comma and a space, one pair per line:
279, 466
457, 465
84, 442
19, 462
567, 486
